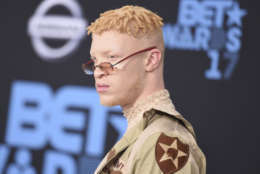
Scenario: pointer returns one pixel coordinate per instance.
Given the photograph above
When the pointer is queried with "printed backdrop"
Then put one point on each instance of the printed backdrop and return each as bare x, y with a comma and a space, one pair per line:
51, 120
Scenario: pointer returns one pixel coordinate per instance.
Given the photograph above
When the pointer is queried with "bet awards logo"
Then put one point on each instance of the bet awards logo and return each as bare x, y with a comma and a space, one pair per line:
210, 25
63, 131
43, 26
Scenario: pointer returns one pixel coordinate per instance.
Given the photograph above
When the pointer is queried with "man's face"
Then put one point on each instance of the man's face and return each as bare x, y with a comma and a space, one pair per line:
125, 84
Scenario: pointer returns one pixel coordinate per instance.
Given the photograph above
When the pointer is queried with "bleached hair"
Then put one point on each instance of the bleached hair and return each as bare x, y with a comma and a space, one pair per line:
134, 20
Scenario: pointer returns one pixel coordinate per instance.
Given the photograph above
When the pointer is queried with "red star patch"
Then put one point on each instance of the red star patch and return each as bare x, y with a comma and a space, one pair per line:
171, 154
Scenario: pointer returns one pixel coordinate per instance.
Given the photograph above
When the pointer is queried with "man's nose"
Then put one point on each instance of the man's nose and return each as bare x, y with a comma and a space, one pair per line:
98, 73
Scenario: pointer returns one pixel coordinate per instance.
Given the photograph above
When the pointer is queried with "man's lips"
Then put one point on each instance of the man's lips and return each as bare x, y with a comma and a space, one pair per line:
102, 87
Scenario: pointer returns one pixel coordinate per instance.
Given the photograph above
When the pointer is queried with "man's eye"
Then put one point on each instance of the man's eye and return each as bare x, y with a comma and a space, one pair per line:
112, 56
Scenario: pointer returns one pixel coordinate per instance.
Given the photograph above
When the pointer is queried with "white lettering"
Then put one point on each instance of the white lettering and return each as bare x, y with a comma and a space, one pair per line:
26, 124
55, 161
234, 43
4, 154
188, 13
202, 35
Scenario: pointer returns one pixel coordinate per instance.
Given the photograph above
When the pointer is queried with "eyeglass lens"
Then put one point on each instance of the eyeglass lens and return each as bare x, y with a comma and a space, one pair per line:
89, 67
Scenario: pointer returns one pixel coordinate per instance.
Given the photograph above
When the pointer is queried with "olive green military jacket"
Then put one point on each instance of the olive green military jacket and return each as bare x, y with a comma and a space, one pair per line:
158, 141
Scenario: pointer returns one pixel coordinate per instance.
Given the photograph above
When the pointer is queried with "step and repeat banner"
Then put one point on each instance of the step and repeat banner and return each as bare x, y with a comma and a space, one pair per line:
51, 119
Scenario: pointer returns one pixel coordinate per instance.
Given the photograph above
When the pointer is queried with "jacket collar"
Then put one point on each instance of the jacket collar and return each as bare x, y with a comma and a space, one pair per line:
160, 101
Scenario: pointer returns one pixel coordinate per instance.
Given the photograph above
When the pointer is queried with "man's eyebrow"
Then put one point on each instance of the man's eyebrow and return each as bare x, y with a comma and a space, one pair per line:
102, 53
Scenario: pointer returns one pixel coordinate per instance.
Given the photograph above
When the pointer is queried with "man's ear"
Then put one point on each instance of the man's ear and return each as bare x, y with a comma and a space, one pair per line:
153, 60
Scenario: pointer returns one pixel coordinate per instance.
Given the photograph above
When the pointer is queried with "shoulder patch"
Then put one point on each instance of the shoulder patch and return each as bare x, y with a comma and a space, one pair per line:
171, 154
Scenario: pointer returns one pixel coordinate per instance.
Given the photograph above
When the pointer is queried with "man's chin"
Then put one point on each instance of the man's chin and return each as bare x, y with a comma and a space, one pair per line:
109, 104
108, 101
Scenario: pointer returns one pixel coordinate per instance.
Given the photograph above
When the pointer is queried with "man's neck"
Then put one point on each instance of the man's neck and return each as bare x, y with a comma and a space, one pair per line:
132, 112
140, 98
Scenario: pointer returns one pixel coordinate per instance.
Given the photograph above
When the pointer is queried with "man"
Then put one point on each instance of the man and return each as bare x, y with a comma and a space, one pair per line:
127, 53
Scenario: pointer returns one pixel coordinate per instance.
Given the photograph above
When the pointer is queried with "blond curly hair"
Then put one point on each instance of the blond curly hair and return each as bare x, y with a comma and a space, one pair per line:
134, 20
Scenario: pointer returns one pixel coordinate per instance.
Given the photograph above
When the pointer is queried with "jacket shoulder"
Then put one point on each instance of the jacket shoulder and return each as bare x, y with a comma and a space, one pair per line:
171, 126
169, 146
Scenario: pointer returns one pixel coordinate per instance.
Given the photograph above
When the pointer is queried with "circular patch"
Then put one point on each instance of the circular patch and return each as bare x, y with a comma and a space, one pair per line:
171, 154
